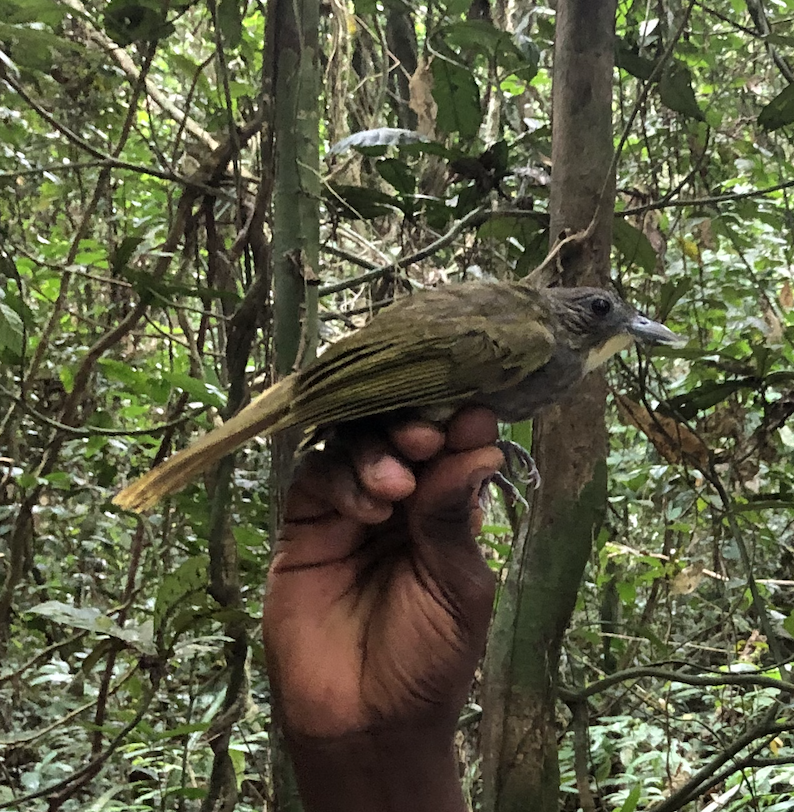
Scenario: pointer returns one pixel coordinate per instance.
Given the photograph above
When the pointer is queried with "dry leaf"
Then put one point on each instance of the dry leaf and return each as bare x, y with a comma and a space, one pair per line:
673, 440
786, 297
706, 234
420, 87
774, 329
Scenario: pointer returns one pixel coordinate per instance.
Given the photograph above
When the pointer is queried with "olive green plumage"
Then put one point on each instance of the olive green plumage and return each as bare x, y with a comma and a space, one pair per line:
504, 345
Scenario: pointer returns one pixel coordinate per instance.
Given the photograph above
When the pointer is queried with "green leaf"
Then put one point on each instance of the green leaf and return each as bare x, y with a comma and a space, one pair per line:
133, 379
630, 804
48, 12
190, 578
198, 390
398, 174
454, 8
189, 69
130, 21
521, 228
431, 148
779, 112
94, 620
477, 35
11, 330
458, 99
675, 92
672, 292
123, 253
633, 245
59, 479
359, 203
497, 46
180, 730
631, 62
704, 397
33, 48
230, 22
27, 480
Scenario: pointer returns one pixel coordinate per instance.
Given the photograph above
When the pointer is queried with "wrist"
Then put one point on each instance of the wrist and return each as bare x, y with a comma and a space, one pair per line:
379, 771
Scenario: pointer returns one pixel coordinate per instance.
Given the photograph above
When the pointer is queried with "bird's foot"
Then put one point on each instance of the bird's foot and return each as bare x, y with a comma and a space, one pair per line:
519, 463
511, 494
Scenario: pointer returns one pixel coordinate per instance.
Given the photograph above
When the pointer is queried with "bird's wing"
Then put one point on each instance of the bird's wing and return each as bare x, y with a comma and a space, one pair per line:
448, 361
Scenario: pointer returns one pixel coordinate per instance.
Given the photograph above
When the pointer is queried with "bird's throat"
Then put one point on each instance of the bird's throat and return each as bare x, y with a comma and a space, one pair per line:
603, 352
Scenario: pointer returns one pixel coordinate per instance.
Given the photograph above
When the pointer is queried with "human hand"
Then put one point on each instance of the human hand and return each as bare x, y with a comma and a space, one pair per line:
378, 599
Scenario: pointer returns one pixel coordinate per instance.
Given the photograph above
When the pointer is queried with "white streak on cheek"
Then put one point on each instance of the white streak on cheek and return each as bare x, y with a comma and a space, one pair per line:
605, 351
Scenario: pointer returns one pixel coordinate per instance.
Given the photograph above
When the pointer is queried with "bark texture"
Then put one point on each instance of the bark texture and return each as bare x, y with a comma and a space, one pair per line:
296, 241
569, 445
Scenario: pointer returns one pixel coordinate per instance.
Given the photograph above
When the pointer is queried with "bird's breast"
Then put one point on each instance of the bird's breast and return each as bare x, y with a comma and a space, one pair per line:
539, 389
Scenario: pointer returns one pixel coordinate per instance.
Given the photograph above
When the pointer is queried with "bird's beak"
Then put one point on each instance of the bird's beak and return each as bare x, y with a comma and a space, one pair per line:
651, 332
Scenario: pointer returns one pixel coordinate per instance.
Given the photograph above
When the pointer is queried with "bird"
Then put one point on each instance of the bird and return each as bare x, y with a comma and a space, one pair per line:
505, 345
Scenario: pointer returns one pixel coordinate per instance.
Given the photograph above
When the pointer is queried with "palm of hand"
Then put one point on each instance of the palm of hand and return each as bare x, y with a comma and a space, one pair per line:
377, 610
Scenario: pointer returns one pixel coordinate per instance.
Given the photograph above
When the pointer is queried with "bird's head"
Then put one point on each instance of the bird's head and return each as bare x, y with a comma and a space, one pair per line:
599, 323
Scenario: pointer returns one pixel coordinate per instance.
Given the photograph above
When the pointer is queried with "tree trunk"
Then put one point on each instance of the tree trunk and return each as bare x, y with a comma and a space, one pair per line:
569, 444
296, 247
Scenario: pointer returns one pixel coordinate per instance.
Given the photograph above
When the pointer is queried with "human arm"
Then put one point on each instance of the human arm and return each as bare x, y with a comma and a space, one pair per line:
376, 615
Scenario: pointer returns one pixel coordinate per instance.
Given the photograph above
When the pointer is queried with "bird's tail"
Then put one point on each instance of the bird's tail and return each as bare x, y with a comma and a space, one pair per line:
266, 413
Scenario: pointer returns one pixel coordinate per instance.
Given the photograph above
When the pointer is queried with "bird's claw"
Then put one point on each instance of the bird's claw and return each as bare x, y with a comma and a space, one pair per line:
511, 494
519, 463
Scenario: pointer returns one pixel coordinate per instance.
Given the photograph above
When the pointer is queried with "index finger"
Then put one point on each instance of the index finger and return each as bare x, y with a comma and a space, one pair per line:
470, 428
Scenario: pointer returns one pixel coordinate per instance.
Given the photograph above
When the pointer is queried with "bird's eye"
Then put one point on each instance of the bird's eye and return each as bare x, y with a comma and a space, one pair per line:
601, 307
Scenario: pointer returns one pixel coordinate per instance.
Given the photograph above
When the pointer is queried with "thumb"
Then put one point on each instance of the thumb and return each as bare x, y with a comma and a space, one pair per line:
445, 516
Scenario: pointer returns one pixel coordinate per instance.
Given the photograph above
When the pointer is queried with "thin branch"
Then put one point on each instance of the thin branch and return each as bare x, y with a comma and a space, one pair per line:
758, 14
93, 766
705, 201
344, 315
703, 778
107, 160
717, 680
475, 217
353, 259
74, 431
53, 168
33, 735
45, 653
152, 90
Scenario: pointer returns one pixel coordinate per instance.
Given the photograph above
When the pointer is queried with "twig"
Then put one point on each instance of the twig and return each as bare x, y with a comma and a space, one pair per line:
541, 275
106, 160
128, 66
477, 216
96, 431
747, 680
42, 655
93, 766
705, 777
666, 203
31, 736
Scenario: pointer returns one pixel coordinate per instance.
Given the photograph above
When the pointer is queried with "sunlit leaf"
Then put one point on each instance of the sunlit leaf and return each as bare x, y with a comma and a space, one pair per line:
380, 137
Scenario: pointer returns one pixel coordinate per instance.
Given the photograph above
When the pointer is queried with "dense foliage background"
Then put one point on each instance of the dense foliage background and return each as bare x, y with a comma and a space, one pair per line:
135, 172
